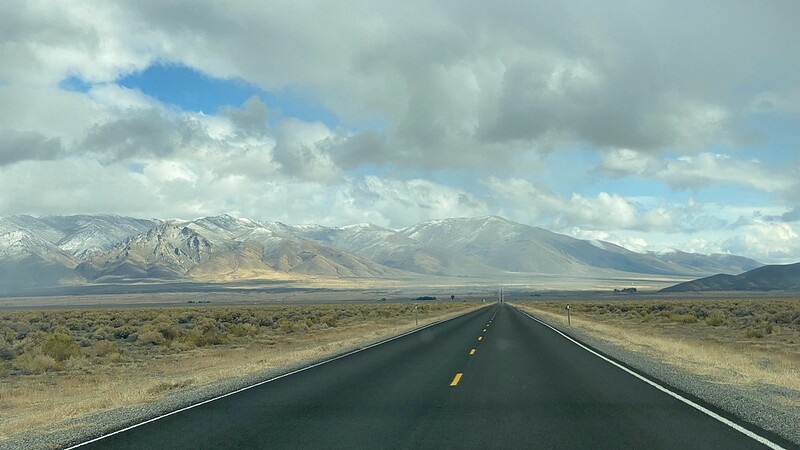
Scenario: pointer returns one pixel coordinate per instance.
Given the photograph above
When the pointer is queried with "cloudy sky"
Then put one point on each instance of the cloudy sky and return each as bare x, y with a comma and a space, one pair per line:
651, 124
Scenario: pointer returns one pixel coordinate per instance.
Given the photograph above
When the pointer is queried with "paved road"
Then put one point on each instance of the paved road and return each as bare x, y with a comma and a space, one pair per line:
523, 386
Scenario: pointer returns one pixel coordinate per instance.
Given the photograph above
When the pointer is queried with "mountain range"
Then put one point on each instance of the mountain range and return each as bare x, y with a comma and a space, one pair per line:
83, 249
765, 278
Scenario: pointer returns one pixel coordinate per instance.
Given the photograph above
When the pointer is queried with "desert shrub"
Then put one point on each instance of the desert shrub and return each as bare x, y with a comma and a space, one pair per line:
700, 312
243, 329
102, 333
665, 315
198, 338
204, 324
151, 337
211, 332
785, 317
680, 310
77, 324
330, 320
204, 332
123, 332
34, 363
754, 333
22, 330
687, 318
7, 353
186, 342
214, 338
30, 342
170, 331
103, 348
5, 369
7, 334
78, 362
185, 318
60, 347
715, 319
286, 325
741, 312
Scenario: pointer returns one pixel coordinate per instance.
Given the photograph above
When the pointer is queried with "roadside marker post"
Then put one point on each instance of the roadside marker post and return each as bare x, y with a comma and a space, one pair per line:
416, 316
568, 319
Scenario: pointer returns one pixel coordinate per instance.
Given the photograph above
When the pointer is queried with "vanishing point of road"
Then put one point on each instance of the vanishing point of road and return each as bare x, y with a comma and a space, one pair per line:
493, 378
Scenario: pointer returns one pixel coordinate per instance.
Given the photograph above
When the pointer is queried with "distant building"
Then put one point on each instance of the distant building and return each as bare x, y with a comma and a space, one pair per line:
625, 291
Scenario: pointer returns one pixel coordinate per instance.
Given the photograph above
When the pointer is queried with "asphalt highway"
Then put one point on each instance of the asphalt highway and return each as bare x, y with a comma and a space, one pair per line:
493, 378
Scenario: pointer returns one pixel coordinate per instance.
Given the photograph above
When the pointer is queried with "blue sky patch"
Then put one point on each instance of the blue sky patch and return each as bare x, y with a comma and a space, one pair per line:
191, 90
74, 84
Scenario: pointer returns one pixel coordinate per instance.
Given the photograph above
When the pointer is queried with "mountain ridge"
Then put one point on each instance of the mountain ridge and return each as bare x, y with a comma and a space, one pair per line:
112, 249
778, 277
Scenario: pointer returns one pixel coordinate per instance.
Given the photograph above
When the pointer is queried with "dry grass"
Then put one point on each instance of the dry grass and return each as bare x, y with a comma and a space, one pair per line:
746, 343
133, 356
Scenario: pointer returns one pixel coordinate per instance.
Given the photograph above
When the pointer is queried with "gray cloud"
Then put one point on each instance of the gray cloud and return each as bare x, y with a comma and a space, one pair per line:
251, 118
303, 150
458, 80
792, 215
140, 133
27, 145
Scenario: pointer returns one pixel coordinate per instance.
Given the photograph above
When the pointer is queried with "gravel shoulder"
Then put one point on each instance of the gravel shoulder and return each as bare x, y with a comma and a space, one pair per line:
749, 403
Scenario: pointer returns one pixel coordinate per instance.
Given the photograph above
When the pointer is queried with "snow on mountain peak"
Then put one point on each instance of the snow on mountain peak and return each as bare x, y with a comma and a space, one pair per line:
16, 243
599, 244
364, 226
21, 244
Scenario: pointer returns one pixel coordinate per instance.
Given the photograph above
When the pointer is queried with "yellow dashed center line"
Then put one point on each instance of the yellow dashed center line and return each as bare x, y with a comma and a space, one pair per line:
472, 352
484, 330
456, 379
480, 338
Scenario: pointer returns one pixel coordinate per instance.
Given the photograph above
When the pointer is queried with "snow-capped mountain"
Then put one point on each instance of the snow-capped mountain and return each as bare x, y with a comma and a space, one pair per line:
21, 244
167, 251
515, 247
28, 260
393, 249
714, 263
79, 236
83, 236
225, 248
53, 251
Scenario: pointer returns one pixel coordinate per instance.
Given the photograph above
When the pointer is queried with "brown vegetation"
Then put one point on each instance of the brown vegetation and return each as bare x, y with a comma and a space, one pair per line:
57, 365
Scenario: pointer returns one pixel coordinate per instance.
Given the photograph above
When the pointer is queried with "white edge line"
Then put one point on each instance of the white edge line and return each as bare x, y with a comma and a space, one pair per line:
661, 388
186, 408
